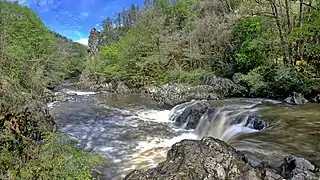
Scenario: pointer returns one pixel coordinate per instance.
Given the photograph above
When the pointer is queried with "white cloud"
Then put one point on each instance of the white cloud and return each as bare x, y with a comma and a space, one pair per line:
83, 41
84, 14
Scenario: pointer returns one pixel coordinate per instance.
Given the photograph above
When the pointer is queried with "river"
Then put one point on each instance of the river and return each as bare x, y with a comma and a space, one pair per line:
131, 132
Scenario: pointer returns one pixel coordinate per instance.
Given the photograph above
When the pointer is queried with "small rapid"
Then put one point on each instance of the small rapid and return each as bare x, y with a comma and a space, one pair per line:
132, 133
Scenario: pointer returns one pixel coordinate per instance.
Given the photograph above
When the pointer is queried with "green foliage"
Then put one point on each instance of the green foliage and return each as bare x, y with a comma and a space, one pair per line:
278, 81
33, 56
60, 159
57, 158
254, 44
186, 77
31, 59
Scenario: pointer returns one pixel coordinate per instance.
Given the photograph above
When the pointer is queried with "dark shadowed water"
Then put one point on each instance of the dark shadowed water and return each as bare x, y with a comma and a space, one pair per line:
133, 133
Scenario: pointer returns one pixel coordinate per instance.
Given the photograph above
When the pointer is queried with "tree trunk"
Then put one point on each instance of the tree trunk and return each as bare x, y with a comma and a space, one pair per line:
300, 42
288, 30
278, 22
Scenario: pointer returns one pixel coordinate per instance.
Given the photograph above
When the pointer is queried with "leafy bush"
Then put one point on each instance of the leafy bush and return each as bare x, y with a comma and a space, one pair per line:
254, 43
61, 159
54, 158
186, 77
278, 81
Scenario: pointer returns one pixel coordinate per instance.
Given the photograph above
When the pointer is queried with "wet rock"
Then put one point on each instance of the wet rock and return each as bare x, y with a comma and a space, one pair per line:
297, 168
211, 158
191, 115
316, 99
296, 99
254, 122
170, 95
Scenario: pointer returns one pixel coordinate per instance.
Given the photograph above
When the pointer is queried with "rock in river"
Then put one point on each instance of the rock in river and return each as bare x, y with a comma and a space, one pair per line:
211, 158
296, 99
191, 115
256, 123
170, 95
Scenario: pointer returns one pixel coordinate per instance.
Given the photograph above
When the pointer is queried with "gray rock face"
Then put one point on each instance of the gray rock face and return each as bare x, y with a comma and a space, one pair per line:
211, 88
296, 99
191, 115
297, 168
211, 158
170, 95
206, 159
94, 41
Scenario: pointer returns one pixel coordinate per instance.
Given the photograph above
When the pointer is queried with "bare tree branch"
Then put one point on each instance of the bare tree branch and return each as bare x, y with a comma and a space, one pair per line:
309, 5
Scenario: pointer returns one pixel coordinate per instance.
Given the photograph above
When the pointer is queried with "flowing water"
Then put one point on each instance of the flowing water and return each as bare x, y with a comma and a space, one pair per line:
131, 132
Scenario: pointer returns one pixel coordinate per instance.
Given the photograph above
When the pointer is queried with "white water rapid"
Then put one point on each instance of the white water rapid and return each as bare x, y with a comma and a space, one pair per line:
134, 136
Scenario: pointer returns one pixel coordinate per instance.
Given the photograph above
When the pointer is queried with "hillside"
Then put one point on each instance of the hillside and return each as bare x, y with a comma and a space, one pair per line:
32, 59
269, 47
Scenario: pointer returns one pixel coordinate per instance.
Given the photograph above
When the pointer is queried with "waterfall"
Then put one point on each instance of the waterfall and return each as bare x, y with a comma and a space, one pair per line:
225, 123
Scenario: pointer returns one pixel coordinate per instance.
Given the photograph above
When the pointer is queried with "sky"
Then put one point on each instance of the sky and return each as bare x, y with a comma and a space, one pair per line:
75, 18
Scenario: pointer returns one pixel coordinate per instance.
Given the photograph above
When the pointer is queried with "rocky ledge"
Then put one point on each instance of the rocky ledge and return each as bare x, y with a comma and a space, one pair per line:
210, 88
211, 158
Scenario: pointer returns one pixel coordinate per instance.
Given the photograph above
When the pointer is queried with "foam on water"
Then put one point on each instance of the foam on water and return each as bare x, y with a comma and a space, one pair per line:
153, 115
80, 93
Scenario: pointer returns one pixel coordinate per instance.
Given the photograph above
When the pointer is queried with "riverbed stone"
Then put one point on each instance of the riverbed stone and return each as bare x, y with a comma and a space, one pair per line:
254, 122
191, 115
296, 99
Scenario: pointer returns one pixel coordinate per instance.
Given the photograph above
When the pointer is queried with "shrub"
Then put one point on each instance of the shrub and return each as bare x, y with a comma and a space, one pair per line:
278, 81
56, 158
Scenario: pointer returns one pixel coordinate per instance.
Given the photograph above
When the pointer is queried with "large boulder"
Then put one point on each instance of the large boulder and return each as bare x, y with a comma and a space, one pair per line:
191, 115
254, 122
296, 99
170, 95
297, 168
211, 158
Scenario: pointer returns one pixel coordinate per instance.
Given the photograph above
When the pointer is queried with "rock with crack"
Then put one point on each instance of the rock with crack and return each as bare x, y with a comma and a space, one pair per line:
206, 159
211, 158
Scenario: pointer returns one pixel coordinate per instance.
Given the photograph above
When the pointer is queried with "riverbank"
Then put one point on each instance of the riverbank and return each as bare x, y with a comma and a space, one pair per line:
209, 88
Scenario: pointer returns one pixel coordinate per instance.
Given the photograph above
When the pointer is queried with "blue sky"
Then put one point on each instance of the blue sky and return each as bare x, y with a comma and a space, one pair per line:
75, 18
